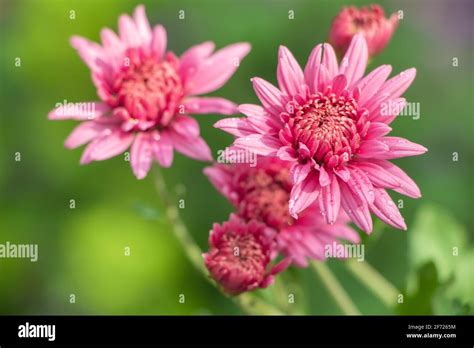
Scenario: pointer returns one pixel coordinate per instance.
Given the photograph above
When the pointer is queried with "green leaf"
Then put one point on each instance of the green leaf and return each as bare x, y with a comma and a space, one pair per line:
435, 236
441, 277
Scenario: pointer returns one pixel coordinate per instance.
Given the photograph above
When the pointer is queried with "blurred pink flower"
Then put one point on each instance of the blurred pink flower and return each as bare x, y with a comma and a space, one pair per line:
262, 193
331, 123
370, 21
239, 256
147, 94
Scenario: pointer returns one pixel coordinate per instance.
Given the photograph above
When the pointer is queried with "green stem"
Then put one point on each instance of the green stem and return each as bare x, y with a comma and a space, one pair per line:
247, 302
374, 281
335, 288
193, 252
253, 305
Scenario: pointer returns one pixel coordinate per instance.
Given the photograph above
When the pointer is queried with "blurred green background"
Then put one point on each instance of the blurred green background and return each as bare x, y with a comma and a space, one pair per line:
81, 250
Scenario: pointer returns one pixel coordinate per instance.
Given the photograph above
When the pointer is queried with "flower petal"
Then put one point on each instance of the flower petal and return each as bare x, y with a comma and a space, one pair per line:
355, 60
397, 85
195, 148
379, 176
128, 31
303, 194
185, 126
377, 130
371, 83
386, 210
107, 146
159, 41
235, 126
400, 147
360, 184
221, 178
210, 105
79, 111
92, 54
84, 133
356, 208
407, 186
162, 148
270, 96
193, 57
141, 155
142, 24
289, 74
214, 72
330, 200
260, 144
372, 149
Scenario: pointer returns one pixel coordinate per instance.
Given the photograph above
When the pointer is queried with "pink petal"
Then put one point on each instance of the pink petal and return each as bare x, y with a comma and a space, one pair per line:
210, 105
339, 84
79, 111
322, 79
397, 85
371, 83
314, 61
407, 186
235, 126
372, 149
185, 126
92, 54
214, 72
193, 57
270, 96
107, 146
159, 41
303, 194
329, 60
260, 119
355, 60
322, 54
260, 144
162, 148
386, 210
84, 133
128, 31
379, 176
387, 110
400, 147
142, 24
113, 47
221, 178
377, 130
141, 155
360, 184
195, 148
343, 173
289, 74
330, 201
287, 153
299, 172
356, 208
324, 178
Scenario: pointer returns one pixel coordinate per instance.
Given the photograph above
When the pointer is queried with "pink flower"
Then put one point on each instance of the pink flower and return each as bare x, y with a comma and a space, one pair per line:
147, 94
331, 123
261, 193
239, 257
370, 21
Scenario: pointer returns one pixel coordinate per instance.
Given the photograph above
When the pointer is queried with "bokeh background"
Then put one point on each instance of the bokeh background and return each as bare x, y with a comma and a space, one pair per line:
81, 250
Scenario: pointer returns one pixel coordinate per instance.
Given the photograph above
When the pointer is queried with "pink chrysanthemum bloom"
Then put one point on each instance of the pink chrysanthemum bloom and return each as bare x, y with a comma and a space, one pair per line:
147, 94
370, 21
331, 124
262, 193
239, 256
